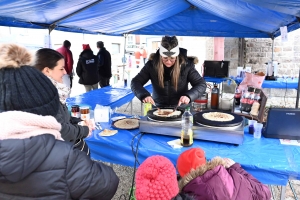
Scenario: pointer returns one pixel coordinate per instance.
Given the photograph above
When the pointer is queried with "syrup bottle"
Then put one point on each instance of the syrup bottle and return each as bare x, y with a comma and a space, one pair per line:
214, 103
186, 128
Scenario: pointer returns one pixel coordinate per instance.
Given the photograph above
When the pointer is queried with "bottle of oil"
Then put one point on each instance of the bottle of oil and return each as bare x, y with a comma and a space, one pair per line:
214, 103
186, 128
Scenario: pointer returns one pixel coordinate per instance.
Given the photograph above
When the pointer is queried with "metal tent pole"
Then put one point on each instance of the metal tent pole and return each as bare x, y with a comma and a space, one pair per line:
298, 91
272, 51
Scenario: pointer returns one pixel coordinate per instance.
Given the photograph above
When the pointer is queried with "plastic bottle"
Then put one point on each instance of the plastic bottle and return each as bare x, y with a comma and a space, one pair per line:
214, 102
186, 128
237, 97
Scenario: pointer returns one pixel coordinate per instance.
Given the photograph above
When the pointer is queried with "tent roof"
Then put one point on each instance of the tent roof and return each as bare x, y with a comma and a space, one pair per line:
219, 18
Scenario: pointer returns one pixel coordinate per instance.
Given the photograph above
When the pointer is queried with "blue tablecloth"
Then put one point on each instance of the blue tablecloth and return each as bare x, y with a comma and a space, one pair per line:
280, 83
266, 159
107, 96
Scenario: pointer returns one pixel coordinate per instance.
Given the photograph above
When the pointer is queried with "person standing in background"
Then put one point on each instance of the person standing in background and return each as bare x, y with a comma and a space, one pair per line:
144, 54
66, 52
137, 55
87, 69
130, 60
104, 65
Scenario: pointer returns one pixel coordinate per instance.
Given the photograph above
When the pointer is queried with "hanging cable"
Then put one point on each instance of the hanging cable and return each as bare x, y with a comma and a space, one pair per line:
134, 168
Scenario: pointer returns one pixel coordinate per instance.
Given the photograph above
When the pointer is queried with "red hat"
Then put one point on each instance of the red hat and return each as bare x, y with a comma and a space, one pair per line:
156, 179
190, 159
86, 46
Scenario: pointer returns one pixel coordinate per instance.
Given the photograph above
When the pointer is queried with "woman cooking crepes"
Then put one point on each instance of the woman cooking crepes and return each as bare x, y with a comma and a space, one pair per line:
170, 72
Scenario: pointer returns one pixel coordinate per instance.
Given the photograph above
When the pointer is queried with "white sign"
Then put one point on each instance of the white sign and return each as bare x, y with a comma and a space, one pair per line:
284, 34
241, 71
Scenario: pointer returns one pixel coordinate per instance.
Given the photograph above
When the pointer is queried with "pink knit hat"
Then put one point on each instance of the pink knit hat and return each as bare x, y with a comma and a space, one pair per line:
156, 179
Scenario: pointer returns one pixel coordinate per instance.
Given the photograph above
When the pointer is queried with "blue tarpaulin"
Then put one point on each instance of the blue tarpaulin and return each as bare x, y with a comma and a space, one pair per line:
106, 96
265, 158
280, 83
219, 18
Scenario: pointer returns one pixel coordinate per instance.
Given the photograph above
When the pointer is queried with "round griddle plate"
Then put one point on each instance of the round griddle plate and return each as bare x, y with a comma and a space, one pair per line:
171, 118
198, 117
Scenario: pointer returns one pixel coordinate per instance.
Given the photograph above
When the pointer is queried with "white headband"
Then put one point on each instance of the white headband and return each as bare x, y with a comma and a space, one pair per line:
166, 53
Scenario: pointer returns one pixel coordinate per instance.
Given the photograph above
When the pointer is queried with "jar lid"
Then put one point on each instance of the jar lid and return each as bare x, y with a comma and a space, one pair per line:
75, 106
257, 91
251, 89
200, 101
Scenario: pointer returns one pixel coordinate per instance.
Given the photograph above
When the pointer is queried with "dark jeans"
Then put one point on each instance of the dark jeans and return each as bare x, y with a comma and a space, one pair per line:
104, 81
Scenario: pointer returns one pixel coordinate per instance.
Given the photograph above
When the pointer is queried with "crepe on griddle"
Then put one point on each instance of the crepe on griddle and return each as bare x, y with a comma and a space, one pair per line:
127, 123
218, 116
166, 112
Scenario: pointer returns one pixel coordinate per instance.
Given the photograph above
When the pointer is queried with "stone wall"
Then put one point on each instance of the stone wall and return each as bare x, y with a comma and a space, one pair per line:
209, 48
258, 51
231, 50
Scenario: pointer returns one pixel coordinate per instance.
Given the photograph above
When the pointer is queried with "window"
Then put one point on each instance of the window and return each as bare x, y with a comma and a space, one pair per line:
115, 48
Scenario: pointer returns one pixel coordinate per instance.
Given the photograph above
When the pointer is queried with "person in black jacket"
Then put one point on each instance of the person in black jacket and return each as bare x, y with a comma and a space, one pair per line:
35, 162
170, 72
51, 63
104, 65
87, 69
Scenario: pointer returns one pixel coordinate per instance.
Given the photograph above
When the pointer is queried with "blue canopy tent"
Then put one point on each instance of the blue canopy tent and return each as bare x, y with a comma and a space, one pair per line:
216, 18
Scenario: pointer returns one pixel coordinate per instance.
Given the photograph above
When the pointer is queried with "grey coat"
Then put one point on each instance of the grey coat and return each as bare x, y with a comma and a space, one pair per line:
42, 167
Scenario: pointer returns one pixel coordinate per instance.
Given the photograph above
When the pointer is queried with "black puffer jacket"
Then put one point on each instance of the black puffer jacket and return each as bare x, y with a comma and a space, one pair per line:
42, 167
87, 68
70, 131
168, 96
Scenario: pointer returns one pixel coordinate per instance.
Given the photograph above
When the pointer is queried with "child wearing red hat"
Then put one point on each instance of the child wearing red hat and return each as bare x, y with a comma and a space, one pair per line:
218, 179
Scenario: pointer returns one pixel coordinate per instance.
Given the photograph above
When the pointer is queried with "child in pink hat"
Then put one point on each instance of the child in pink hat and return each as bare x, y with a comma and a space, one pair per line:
156, 179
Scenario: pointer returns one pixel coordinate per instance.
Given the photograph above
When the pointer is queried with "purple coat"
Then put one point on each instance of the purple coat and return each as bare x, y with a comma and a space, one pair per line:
213, 181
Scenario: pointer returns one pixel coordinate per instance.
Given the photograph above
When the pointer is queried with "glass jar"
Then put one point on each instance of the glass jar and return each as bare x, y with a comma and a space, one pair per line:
85, 113
75, 111
201, 103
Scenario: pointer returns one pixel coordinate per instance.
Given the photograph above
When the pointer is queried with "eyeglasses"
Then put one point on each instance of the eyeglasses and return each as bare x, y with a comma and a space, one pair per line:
172, 59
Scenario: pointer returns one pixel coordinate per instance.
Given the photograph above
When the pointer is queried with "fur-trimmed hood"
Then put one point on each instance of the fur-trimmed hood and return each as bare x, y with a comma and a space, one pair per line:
194, 59
14, 56
200, 171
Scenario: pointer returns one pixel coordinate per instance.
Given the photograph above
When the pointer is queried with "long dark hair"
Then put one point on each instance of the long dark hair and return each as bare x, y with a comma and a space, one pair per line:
47, 58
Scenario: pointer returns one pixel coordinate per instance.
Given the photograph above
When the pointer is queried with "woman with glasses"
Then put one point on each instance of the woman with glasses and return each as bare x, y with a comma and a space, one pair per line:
170, 72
